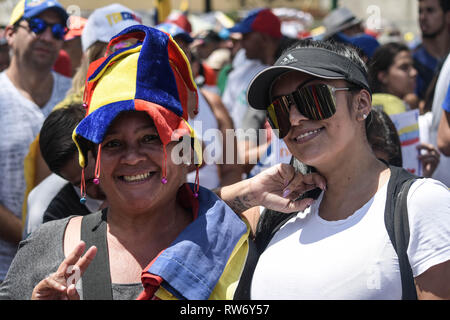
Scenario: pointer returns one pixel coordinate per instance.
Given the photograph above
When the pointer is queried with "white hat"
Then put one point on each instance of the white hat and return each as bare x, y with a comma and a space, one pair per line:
104, 23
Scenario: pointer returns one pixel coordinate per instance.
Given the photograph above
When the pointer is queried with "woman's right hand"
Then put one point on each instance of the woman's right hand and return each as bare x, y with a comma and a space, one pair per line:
61, 284
278, 188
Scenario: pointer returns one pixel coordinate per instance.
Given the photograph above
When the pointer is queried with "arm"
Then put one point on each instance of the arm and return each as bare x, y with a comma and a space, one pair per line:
429, 239
229, 173
10, 226
431, 285
443, 139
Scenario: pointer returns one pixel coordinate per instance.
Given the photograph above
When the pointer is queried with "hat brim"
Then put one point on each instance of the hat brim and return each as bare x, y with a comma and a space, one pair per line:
94, 127
330, 33
258, 93
240, 28
38, 10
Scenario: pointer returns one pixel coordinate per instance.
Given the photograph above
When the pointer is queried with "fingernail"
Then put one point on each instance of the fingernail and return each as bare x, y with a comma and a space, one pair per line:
286, 193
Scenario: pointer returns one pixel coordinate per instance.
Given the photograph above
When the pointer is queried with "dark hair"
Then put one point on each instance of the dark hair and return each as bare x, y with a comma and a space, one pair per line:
382, 59
347, 51
444, 4
55, 141
383, 136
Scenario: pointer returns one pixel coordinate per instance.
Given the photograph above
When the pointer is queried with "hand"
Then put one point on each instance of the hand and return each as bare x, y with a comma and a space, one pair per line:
430, 159
58, 286
279, 187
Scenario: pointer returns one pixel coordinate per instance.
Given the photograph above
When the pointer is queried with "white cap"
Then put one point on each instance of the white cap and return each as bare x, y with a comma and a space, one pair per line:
104, 23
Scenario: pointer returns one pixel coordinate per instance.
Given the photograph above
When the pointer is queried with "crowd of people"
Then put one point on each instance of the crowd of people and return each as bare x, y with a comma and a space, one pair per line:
97, 111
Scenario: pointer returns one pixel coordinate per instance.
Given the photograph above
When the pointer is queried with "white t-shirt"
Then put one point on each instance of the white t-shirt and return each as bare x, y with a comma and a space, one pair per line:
235, 95
38, 200
311, 258
20, 122
205, 120
442, 172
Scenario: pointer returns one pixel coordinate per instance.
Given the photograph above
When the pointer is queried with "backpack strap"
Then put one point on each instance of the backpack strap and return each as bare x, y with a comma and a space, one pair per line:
96, 280
397, 225
243, 289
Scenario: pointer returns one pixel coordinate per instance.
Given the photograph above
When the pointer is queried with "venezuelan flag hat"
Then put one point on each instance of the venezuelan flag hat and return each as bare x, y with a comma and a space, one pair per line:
143, 70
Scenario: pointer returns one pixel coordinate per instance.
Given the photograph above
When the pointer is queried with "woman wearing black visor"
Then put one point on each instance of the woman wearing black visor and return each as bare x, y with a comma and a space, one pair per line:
347, 244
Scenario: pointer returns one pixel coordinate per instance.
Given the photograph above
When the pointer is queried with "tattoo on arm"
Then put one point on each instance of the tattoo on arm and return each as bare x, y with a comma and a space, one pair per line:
240, 204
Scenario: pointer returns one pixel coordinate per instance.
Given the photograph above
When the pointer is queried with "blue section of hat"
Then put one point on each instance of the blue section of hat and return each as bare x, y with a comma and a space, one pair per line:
245, 26
34, 8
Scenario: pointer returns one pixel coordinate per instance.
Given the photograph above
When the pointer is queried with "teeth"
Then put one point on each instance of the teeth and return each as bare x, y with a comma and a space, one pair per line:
307, 134
136, 177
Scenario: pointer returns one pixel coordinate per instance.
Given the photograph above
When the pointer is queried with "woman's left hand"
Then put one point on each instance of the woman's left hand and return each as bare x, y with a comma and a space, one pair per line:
61, 284
429, 159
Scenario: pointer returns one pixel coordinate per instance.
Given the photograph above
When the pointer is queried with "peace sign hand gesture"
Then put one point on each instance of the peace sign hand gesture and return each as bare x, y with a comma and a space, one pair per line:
61, 284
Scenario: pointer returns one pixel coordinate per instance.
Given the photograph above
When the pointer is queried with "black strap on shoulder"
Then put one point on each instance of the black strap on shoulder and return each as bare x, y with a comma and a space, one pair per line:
397, 225
96, 280
243, 289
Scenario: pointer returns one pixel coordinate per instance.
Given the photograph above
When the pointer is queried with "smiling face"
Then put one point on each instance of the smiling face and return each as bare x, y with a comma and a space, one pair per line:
317, 142
37, 50
132, 160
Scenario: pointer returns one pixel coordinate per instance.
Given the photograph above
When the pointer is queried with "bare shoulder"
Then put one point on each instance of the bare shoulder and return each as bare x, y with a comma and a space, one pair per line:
72, 234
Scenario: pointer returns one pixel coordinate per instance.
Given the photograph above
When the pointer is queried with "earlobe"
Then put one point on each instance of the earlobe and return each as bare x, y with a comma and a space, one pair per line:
364, 104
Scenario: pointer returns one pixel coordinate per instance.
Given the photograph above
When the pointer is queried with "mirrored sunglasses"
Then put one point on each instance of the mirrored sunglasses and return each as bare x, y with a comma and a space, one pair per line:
38, 26
315, 102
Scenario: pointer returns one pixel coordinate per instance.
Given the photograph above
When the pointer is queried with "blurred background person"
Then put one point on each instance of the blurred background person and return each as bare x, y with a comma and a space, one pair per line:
434, 22
444, 127
211, 114
58, 195
341, 20
4, 50
72, 42
102, 24
29, 90
391, 71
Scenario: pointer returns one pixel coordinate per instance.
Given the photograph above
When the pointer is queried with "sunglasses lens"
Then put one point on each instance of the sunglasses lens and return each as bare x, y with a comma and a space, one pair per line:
58, 31
316, 102
279, 116
37, 25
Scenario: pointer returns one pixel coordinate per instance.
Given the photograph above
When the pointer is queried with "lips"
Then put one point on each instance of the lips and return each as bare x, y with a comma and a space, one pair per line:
304, 135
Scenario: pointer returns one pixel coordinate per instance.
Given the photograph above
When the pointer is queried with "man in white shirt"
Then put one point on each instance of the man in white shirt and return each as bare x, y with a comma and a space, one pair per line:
261, 35
28, 92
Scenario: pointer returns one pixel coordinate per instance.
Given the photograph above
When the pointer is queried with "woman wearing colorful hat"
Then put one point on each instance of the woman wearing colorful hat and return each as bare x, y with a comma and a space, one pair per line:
160, 238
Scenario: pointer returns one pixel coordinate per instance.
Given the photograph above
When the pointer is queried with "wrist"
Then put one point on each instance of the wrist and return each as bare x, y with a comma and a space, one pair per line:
238, 196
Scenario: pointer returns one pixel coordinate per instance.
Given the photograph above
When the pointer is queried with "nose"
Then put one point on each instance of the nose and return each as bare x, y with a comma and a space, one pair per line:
47, 35
133, 156
413, 72
295, 116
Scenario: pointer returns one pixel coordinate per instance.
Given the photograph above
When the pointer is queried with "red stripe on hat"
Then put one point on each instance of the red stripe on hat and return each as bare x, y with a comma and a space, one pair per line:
170, 127
268, 23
